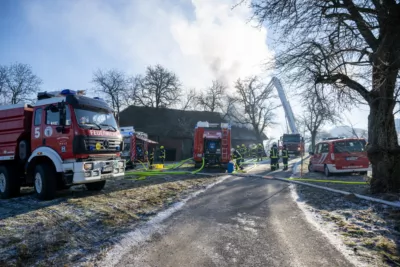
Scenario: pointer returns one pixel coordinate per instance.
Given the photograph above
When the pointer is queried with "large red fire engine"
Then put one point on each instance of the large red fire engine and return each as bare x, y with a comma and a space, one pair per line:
213, 142
136, 144
62, 140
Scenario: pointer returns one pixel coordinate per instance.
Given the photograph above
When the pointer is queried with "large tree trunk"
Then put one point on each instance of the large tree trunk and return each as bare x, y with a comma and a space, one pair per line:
313, 137
383, 149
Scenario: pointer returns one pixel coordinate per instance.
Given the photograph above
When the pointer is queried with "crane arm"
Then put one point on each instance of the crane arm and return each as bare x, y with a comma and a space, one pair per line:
285, 103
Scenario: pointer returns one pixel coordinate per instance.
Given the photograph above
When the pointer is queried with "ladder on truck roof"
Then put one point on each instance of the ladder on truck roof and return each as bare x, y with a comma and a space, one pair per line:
224, 145
285, 103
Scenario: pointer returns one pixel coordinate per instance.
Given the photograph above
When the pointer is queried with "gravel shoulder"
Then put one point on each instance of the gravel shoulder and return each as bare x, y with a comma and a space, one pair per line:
369, 231
78, 224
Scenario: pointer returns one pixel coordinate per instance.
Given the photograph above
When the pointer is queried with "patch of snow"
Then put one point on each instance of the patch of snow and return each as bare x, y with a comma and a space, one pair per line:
251, 230
245, 221
144, 233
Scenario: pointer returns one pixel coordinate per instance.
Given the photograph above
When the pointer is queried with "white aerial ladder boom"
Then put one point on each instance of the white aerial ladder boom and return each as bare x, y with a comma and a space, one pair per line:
285, 103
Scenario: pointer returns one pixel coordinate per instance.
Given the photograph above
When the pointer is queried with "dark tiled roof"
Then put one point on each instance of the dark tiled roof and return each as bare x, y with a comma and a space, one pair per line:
174, 122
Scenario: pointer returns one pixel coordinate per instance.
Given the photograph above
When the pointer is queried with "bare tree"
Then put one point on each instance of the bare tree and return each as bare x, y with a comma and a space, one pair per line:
353, 46
212, 99
189, 101
3, 76
130, 94
158, 88
229, 110
112, 84
319, 111
254, 100
355, 132
18, 83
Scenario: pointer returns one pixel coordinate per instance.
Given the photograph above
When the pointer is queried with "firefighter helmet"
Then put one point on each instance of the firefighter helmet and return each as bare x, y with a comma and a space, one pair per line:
161, 147
274, 144
243, 145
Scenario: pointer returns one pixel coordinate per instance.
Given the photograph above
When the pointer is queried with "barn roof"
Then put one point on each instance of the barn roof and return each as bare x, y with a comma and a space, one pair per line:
175, 123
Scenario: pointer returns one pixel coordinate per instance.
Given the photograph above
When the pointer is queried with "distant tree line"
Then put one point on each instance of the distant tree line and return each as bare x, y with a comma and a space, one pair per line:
250, 103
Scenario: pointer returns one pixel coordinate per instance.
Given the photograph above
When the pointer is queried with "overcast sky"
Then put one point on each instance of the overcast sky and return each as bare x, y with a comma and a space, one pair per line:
200, 40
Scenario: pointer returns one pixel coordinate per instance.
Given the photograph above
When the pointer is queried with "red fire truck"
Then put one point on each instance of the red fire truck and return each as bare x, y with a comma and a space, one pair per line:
294, 143
64, 139
213, 142
136, 144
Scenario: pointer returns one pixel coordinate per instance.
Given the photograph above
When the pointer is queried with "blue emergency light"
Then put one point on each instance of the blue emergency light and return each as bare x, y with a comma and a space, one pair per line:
91, 148
68, 92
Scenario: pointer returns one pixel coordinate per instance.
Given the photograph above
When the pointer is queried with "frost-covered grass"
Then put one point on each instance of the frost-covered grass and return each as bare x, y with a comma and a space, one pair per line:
370, 230
79, 223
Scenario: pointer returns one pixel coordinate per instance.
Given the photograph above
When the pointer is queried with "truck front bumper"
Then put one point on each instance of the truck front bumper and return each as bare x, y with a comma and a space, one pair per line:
94, 171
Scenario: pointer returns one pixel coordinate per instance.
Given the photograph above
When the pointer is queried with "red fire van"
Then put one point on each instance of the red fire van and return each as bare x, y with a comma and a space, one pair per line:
339, 156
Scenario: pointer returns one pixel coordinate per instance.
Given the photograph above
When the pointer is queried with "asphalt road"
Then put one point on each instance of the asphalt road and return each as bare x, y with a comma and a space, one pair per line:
239, 222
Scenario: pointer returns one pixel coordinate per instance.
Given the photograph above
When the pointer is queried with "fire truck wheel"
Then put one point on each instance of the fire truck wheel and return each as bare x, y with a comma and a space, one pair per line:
45, 182
326, 171
96, 186
9, 186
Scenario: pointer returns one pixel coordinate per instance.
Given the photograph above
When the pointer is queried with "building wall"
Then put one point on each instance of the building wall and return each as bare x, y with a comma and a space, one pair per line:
176, 148
182, 148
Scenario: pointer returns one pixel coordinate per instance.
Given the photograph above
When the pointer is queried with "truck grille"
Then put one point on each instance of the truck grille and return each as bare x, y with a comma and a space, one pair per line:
95, 144
105, 144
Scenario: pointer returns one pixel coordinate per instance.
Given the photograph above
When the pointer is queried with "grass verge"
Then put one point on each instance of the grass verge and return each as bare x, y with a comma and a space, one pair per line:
79, 223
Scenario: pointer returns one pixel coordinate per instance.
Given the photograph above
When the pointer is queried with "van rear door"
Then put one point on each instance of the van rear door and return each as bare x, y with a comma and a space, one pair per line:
350, 154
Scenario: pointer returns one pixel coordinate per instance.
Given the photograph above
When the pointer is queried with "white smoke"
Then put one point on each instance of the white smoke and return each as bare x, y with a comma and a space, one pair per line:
200, 40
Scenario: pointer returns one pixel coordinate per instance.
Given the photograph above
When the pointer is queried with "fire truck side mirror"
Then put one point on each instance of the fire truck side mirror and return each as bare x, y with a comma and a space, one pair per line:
63, 113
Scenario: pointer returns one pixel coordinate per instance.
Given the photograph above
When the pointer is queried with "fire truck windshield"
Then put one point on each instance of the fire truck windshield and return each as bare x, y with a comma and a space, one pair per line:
291, 138
100, 120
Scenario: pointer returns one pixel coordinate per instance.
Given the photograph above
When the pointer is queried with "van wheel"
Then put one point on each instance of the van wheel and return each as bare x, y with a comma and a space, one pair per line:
9, 185
96, 186
310, 167
45, 182
326, 171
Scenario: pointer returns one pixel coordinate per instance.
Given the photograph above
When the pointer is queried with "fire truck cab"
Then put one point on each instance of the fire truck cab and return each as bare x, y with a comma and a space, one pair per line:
294, 143
64, 139
136, 144
212, 141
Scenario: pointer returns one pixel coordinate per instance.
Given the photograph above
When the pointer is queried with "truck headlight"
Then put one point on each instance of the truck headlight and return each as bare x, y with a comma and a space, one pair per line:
120, 164
88, 166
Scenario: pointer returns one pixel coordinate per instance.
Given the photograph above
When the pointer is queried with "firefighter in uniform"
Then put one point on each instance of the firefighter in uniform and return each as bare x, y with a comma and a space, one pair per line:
273, 153
243, 151
236, 155
151, 157
162, 154
260, 150
285, 157
254, 151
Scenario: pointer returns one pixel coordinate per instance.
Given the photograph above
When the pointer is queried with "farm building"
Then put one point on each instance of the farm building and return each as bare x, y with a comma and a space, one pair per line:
174, 128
